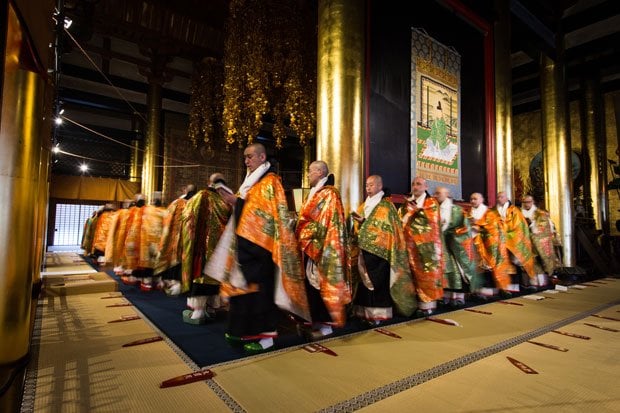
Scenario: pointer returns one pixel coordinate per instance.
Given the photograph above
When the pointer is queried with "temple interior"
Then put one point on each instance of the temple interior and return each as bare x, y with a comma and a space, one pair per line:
102, 100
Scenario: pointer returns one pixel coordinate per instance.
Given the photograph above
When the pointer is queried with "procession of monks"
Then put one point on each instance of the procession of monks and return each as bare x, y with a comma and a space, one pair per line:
246, 253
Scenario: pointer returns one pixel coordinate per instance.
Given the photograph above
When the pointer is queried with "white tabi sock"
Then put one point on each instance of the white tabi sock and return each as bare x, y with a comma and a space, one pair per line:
198, 314
174, 288
326, 329
198, 304
266, 342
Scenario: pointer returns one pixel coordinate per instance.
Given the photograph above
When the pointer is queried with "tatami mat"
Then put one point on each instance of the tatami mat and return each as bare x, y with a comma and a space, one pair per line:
371, 366
82, 366
433, 367
64, 259
584, 378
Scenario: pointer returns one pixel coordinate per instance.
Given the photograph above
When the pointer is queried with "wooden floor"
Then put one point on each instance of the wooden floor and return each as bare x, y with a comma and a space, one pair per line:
81, 364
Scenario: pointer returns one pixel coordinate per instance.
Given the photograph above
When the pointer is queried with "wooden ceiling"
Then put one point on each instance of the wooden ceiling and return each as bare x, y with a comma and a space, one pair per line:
121, 36
589, 31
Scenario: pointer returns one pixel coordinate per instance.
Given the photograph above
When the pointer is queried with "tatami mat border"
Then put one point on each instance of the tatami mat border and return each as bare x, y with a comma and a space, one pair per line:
221, 393
30, 380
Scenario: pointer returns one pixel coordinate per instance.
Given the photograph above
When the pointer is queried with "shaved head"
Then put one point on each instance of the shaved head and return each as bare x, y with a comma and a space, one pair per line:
502, 198
320, 166
254, 156
374, 185
476, 199
442, 193
317, 171
528, 202
258, 148
217, 176
418, 186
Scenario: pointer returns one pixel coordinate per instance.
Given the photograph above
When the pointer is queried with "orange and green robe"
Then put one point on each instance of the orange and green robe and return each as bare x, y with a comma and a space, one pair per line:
118, 238
518, 241
491, 248
109, 244
543, 236
321, 232
169, 246
459, 253
381, 234
88, 234
422, 229
143, 237
131, 240
263, 220
102, 229
203, 220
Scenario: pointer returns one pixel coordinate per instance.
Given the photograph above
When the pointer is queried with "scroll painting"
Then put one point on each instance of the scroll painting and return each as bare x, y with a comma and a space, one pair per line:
435, 113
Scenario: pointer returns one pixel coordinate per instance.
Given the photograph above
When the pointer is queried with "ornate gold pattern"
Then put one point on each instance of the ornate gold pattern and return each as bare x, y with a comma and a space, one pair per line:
446, 77
206, 103
263, 77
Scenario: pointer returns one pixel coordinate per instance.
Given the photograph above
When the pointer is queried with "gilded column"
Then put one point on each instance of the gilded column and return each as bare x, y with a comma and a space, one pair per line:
308, 159
20, 134
134, 168
503, 99
43, 191
557, 152
135, 156
594, 153
340, 95
150, 174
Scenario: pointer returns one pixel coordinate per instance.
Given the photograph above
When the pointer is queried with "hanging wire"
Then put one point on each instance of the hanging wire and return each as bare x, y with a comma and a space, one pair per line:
120, 163
117, 90
60, 151
128, 145
120, 94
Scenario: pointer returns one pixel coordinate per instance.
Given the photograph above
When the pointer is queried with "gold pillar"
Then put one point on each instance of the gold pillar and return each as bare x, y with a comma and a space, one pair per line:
41, 213
557, 153
305, 183
137, 127
594, 153
167, 196
503, 99
20, 122
150, 174
134, 168
340, 96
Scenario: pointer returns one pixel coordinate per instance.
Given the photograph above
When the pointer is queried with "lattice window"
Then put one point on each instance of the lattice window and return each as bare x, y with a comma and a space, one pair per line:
69, 222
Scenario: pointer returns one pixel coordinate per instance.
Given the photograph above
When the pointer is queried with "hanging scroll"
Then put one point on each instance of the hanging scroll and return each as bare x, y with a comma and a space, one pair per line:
435, 113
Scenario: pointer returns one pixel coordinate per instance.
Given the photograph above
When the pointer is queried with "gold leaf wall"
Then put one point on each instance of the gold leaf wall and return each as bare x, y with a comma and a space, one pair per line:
527, 142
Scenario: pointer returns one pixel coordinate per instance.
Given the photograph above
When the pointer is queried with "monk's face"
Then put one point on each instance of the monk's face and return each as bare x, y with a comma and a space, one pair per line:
441, 194
502, 198
418, 187
528, 202
373, 186
476, 200
314, 175
253, 158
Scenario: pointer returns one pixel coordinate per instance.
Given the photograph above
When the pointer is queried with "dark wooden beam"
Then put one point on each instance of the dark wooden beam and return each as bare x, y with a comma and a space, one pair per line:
533, 22
591, 15
141, 63
607, 45
125, 136
525, 85
92, 100
526, 71
121, 82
